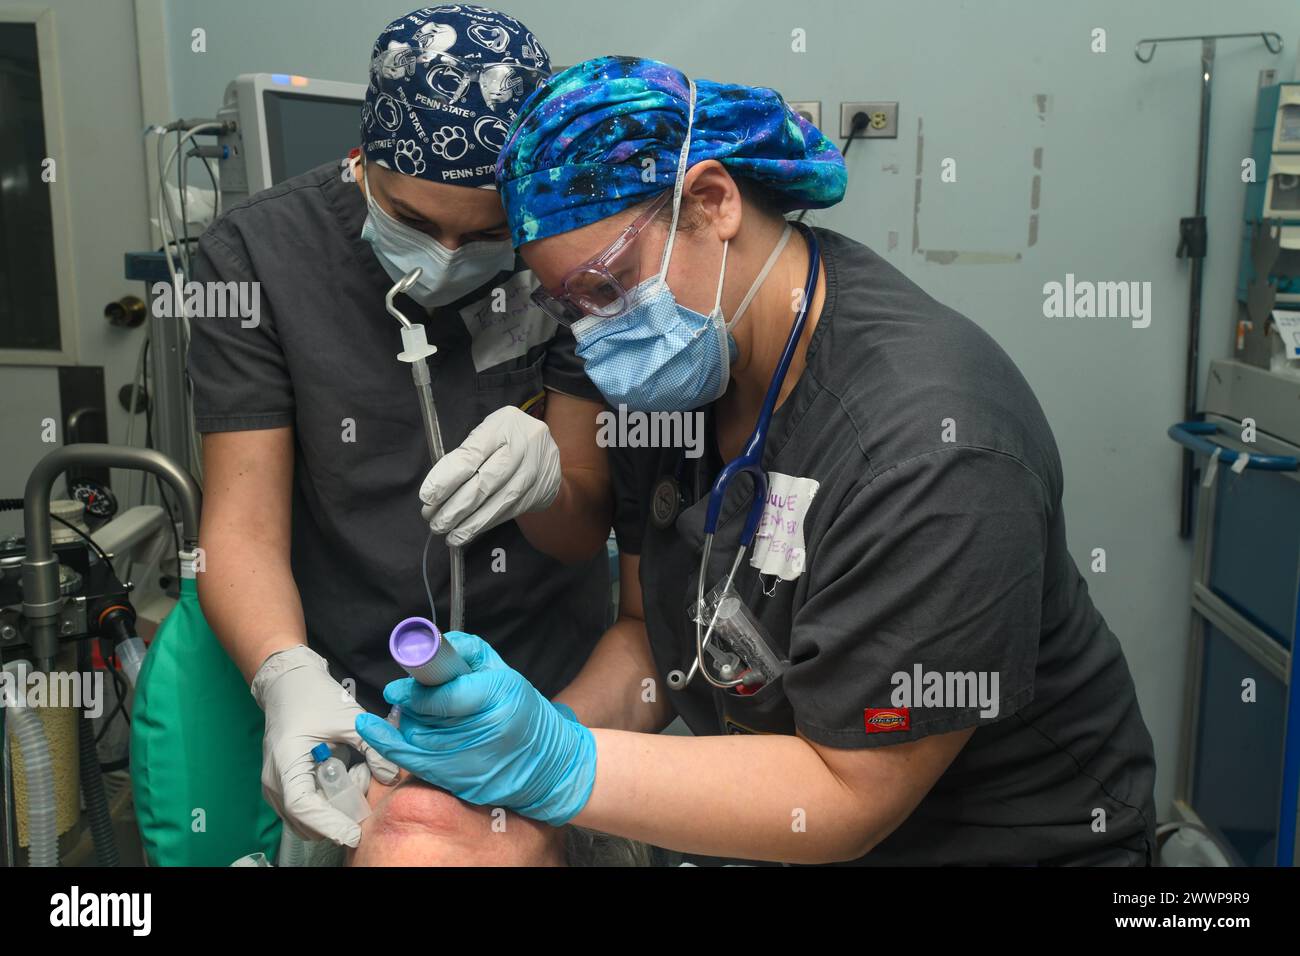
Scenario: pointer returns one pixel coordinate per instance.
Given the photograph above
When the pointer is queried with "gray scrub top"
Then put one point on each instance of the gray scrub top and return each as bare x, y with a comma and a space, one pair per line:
323, 359
920, 556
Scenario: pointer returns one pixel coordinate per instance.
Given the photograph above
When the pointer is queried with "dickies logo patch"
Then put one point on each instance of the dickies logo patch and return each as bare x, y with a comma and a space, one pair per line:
883, 720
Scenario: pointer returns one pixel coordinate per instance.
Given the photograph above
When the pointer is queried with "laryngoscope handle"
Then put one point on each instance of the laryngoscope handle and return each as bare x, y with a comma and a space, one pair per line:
418, 645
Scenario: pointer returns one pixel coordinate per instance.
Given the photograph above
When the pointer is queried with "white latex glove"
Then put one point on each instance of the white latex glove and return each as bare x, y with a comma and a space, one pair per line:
361, 776
508, 466
304, 707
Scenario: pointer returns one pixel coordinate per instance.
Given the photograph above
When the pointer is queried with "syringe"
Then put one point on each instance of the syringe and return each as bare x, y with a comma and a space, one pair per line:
415, 352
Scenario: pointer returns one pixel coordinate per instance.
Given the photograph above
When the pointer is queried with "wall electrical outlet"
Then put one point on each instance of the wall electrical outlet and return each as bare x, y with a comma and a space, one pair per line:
811, 110
883, 125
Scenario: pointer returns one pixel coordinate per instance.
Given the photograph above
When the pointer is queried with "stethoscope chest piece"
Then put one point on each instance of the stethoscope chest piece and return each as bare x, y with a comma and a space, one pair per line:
666, 502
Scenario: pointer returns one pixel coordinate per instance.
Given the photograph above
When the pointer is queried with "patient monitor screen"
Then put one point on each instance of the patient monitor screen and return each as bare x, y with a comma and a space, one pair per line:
304, 131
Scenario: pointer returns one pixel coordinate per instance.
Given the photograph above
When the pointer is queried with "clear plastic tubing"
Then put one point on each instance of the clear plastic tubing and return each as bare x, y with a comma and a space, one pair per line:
27, 729
415, 352
130, 653
433, 435
293, 851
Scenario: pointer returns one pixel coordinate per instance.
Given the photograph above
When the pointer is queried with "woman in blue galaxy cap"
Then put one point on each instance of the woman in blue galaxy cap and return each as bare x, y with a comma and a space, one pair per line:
622, 133
908, 587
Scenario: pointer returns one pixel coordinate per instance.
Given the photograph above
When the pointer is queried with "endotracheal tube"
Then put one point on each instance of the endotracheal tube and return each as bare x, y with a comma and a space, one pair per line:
415, 352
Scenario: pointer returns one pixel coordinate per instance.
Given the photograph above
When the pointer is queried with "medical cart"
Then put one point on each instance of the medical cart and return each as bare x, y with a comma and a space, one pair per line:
1239, 766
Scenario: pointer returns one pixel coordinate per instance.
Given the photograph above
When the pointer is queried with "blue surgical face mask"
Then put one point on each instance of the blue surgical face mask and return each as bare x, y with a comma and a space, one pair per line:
660, 356
446, 274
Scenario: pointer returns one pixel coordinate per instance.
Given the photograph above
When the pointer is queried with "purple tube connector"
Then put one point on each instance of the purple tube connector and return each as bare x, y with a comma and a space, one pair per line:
419, 647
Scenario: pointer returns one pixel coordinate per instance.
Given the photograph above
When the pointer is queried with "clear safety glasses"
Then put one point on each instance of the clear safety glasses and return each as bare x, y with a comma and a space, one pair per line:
594, 288
445, 79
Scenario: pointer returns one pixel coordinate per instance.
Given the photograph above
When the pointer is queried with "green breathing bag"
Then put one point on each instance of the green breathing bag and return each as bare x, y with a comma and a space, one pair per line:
196, 749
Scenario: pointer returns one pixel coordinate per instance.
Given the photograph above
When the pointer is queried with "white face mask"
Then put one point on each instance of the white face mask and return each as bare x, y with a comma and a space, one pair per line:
446, 274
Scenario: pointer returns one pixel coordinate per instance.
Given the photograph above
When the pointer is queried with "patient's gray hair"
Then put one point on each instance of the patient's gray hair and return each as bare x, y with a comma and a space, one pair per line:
583, 847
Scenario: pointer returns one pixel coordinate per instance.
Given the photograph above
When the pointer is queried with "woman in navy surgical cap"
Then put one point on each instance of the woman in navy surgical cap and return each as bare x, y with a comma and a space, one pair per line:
314, 452
907, 667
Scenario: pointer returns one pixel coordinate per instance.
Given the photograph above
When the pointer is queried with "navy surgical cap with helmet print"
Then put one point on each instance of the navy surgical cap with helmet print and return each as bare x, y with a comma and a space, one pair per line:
445, 84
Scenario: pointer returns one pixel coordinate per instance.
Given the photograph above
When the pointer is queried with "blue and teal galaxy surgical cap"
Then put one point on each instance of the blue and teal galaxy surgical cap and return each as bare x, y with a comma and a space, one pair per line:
607, 134
446, 82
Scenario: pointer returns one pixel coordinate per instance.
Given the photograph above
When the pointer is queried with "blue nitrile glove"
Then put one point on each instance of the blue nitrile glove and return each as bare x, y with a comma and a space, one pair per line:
489, 738
566, 711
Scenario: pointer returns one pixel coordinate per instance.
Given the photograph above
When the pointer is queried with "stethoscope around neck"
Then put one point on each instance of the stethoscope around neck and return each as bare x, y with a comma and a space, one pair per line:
749, 462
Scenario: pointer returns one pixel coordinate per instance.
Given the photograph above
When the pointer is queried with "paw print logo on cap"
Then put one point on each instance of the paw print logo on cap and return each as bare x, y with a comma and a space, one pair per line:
450, 143
409, 157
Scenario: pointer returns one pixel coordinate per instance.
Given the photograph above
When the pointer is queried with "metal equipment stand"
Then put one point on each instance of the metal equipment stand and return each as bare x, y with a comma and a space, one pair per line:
1192, 238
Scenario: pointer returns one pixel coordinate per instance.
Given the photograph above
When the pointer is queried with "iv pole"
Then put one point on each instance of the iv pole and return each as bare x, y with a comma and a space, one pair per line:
1192, 239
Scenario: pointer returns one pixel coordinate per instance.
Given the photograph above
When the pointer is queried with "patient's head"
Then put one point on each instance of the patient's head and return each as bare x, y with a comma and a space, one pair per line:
415, 824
